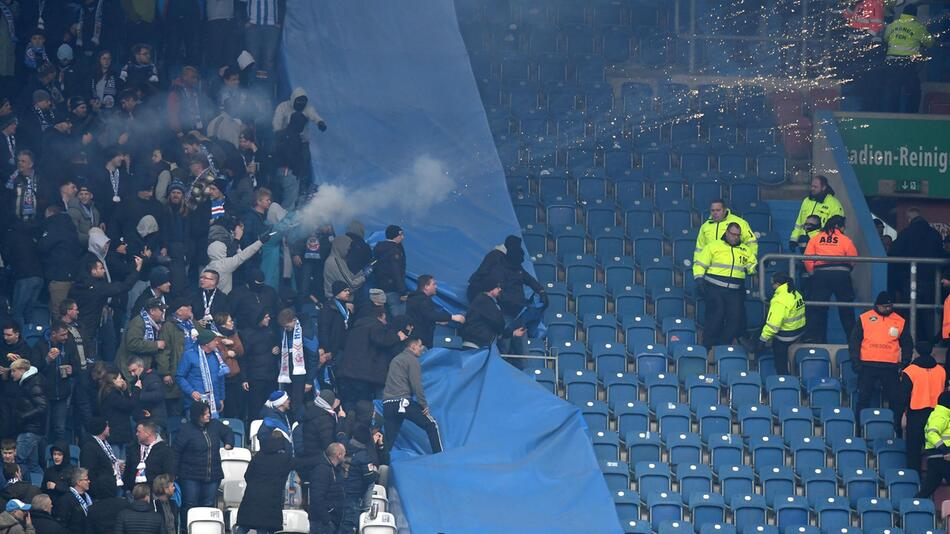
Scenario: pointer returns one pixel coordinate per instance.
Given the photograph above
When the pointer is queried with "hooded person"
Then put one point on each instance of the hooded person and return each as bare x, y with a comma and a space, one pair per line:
225, 265
273, 251
259, 365
360, 254
505, 264
336, 270
56, 476
299, 102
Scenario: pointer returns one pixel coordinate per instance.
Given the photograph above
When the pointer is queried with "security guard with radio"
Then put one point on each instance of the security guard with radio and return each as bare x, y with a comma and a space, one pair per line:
719, 218
880, 345
922, 382
785, 322
720, 270
821, 201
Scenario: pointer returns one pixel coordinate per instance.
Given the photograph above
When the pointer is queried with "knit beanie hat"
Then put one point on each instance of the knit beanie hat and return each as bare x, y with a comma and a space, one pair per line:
377, 297
276, 399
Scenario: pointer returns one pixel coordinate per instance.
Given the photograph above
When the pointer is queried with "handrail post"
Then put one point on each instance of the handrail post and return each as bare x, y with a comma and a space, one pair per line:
913, 298
938, 323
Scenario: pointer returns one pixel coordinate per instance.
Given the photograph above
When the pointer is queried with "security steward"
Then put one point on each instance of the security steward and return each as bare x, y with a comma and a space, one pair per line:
904, 37
879, 345
821, 201
945, 332
937, 449
785, 322
922, 382
829, 278
720, 270
719, 218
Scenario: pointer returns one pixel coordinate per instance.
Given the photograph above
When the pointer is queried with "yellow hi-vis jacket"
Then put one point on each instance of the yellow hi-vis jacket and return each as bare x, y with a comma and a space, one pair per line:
724, 265
905, 36
786, 318
937, 431
712, 231
824, 210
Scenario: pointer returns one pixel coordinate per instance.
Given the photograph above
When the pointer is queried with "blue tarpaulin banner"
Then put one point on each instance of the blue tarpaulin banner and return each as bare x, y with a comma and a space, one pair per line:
407, 137
517, 458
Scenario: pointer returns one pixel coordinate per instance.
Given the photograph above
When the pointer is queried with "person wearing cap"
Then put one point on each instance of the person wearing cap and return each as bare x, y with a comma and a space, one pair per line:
922, 382
69, 74
142, 338
485, 322
15, 519
84, 214
370, 343
404, 397
275, 416
201, 373
880, 345
322, 422
390, 270
159, 287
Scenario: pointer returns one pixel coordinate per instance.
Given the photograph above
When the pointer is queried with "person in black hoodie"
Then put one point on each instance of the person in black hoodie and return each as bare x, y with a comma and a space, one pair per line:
55, 478
362, 371
259, 366
197, 448
424, 313
244, 300
140, 516
321, 424
31, 408
921, 383
360, 255
59, 368
334, 322
59, 250
20, 254
308, 256
390, 270
366, 453
91, 291
485, 321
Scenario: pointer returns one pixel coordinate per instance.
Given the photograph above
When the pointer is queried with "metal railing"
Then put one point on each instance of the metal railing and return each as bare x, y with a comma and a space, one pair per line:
913, 305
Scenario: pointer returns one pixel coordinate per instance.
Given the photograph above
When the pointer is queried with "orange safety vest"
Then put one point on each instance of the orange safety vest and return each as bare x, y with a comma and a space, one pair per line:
829, 244
881, 337
928, 385
946, 317
867, 15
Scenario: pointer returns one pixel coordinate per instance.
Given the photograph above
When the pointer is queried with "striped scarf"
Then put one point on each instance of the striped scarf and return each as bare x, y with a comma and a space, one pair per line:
10, 20
207, 382
293, 349
150, 326
97, 25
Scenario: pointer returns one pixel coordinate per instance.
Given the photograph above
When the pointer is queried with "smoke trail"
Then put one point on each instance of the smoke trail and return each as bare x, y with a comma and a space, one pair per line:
427, 183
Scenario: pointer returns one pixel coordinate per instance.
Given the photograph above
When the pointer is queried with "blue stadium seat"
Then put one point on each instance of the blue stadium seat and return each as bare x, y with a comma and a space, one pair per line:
755, 420
589, 298
581, 387
629, 190
901, 484
580, 38
848, 377
562, 101
679, 330
745, 388
627, 501
655, 160
834, 514
778, 483
652, 477
551, 68
768, 452
629, 301
707, 508
657, 272
771, 168
535, 237
792, 511
812, 362
704, 192
693, 479
736, 479
545, 267
747, 510
608, 242
571, 357
694, 157
643, 447
620, 387
677, 219
917, 515
715, 419
889, 454
819, 484
647, 245
600, 214
562, 326
526, 209
562, 213
730, 360
635, 526
733, 162
796, 422
569, 240
595, 413
877, 423
858, 483
544, 377
875, 513
684, 244
743, 194
758, 218
666, 193
702, 390
602, 330
717, 528
664, 506
683, 448
632, 416
673, 417
725, 450
850, 453
690, 360
651, 360
616, 38
580, 269
783, 391
553, 187
638, 217
598, 97
808, 452
838, 423
606, 446
617, 476
619, 272
824, 393
639, 330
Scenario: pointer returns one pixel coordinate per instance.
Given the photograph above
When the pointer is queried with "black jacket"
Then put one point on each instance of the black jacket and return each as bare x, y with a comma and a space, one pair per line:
219, 304
20, 253
93, 458
484, 321
44, 523
424, 314
59, 248
118, 407
266, 477
366, 355
55, 386
326, 491
31, 405
359, 254
245, 302
150, 398
497, 265
104, 513
22, 490
332, 329
160, 461
91, 295
138, 518
319, 430
196, 461
390, 269
259, 363
364, 461
69, 513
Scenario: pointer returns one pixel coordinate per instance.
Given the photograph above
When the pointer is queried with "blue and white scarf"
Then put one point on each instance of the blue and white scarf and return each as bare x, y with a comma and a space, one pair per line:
344, 311
10, 19
85, 501
207, 382
191, 333
150, 326
293, 349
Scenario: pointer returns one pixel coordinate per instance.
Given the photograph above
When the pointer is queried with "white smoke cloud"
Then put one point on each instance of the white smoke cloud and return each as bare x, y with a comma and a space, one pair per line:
426, 184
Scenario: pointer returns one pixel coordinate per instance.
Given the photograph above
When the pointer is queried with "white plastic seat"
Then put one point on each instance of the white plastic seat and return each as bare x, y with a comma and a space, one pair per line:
233, 490
203, 520
234, 462
377, 522
296, 521
379, 497
252, 437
